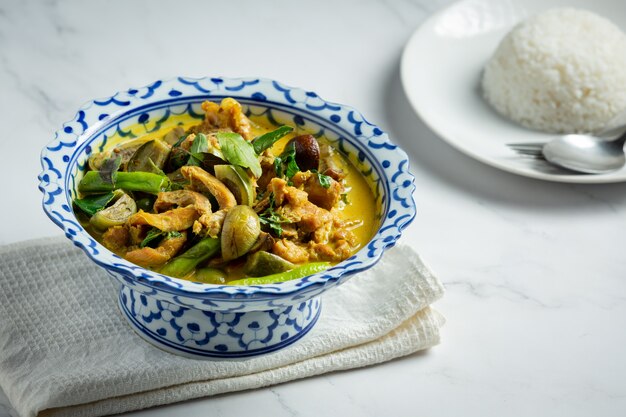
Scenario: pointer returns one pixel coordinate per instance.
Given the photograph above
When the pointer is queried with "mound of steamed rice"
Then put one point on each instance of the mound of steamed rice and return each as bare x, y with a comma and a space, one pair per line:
563, 70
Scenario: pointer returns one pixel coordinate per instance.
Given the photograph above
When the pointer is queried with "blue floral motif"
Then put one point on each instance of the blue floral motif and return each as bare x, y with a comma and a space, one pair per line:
403, 193
194, 83
111, 100
230, 309
214, 334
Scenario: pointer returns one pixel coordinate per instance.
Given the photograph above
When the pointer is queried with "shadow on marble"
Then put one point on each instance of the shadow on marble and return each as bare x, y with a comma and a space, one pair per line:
431, 156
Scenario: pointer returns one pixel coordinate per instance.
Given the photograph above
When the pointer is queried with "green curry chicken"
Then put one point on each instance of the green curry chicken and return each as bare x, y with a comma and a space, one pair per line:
224, 201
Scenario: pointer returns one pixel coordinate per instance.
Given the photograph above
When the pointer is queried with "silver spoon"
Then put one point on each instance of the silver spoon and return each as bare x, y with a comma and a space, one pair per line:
586, 153
591, 154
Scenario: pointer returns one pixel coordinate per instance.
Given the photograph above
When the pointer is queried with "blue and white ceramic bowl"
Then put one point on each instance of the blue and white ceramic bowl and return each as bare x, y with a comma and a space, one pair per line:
221, 321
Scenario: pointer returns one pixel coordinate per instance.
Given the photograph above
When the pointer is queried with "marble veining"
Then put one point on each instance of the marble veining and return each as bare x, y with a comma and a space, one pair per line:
535, 271
283, 403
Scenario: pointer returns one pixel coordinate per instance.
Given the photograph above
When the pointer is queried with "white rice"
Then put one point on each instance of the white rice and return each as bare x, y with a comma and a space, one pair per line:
563, 70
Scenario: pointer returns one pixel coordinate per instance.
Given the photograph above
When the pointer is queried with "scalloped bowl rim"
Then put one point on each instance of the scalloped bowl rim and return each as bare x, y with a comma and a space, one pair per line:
356, 263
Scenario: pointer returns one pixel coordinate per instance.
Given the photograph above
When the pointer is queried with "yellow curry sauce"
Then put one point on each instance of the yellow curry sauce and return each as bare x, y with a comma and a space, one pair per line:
357, 208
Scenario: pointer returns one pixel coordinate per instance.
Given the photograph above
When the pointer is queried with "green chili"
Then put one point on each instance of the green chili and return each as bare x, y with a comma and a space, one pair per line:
298, 272
146, 182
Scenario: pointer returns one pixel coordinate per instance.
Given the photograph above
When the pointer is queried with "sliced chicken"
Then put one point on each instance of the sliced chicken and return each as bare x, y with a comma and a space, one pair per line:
116, 239
173, 220
182, 198
228, 114
203, 182
152, 257
317, 194
210, 224
296, 207
290, 251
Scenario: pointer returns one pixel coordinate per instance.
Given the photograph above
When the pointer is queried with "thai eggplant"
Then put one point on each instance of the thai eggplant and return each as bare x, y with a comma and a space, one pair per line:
150, 157
115, 215
240, 231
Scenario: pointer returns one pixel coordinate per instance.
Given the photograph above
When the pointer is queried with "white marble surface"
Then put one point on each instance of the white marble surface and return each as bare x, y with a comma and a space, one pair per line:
535, 271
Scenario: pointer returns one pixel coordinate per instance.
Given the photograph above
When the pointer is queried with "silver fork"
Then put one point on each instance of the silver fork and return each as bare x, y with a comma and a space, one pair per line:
532, 150
532, 153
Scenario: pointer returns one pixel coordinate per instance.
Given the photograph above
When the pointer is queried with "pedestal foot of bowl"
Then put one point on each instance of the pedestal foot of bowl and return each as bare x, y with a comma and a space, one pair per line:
215, 334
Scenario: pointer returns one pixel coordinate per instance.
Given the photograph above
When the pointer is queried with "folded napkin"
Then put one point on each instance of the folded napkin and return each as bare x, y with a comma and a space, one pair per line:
65, 349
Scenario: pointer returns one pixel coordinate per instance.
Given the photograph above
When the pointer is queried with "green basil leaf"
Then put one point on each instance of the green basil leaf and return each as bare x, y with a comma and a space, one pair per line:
109, 168
199, 144
209, 160
195, 159
239, 152
268, 139
154, 236
271, 219
290, 167
278, 166
273, 226
289, 151
324, 180
93, 204
151, 237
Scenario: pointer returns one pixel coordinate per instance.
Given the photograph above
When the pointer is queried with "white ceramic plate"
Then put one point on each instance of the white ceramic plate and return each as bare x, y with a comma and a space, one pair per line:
441, 68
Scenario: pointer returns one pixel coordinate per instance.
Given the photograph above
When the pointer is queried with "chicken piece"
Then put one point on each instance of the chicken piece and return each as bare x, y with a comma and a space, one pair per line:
330, 252
269, 171
202, 181
322, 252
137, 233
227, 115
290, 251
210, 224
173, 220
334, 173
333, 242
318, 195
295, 207
286, 194
182, 198
323, 233
152, 257
209, 132
311, 217
342, 232
289, 231
279, 188
186, 143
343, 249
116, 239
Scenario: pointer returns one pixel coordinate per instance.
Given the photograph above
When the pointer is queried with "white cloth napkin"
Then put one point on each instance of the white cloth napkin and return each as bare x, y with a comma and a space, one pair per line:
66, 351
